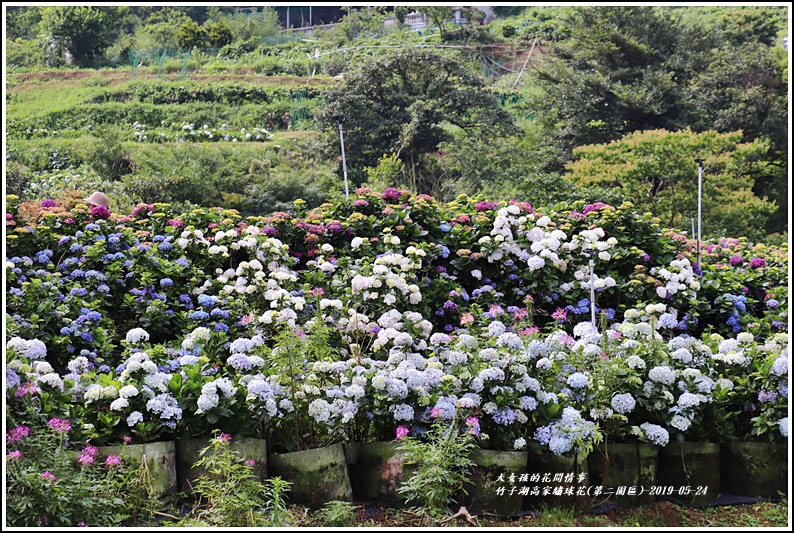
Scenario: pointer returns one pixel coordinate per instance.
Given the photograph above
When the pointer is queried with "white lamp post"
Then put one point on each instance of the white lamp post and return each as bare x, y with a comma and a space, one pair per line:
589, 253
699, 161
344, 162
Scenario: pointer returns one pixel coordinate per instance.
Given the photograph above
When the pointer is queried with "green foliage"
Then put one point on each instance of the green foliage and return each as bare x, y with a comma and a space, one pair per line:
657, 170
191, 35
235, 176
290, 361
268, 190
24, 54
22, 22
741, 90
742, 24
160, 29
85, 31
544, 23
159, 92
399, 13
387, 173
17, 178
508, 11
367, 21
247, 26
106, 154
442, 466
276, 505
218, 34
616, 73
508, 31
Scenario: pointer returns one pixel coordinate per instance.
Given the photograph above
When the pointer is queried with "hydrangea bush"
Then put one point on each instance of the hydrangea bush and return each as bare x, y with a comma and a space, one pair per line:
162, 323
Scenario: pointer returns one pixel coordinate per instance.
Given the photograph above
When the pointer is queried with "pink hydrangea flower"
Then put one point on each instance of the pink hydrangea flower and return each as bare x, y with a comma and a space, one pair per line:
402, 431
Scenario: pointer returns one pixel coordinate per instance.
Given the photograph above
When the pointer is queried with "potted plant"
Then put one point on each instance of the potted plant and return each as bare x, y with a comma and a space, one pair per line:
308, 417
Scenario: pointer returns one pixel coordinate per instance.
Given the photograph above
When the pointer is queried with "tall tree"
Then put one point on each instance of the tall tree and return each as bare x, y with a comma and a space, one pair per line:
616, 73
406, 102
85, 31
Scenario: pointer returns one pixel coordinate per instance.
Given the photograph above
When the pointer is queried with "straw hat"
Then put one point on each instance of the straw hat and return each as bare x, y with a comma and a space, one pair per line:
97, 198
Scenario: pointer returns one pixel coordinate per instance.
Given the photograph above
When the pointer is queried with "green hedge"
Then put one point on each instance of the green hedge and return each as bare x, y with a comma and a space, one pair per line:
231, 94
63, 123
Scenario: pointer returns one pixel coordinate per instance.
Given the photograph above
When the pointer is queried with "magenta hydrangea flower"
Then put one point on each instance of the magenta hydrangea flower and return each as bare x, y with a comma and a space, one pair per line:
486, 206
757, 262
736, 260
402, 431
593, 207
100, 211
391, 194
17, 434
334, 227
48, 203
60, 425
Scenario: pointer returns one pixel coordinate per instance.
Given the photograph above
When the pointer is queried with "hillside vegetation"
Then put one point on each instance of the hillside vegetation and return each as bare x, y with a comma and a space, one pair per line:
206, 106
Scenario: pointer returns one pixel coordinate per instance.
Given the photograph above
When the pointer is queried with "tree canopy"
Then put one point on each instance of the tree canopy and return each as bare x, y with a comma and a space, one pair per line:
657, 170
85, 31
407, 102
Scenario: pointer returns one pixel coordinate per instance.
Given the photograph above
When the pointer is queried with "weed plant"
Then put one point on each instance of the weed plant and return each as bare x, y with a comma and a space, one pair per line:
442, 464
231, 495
